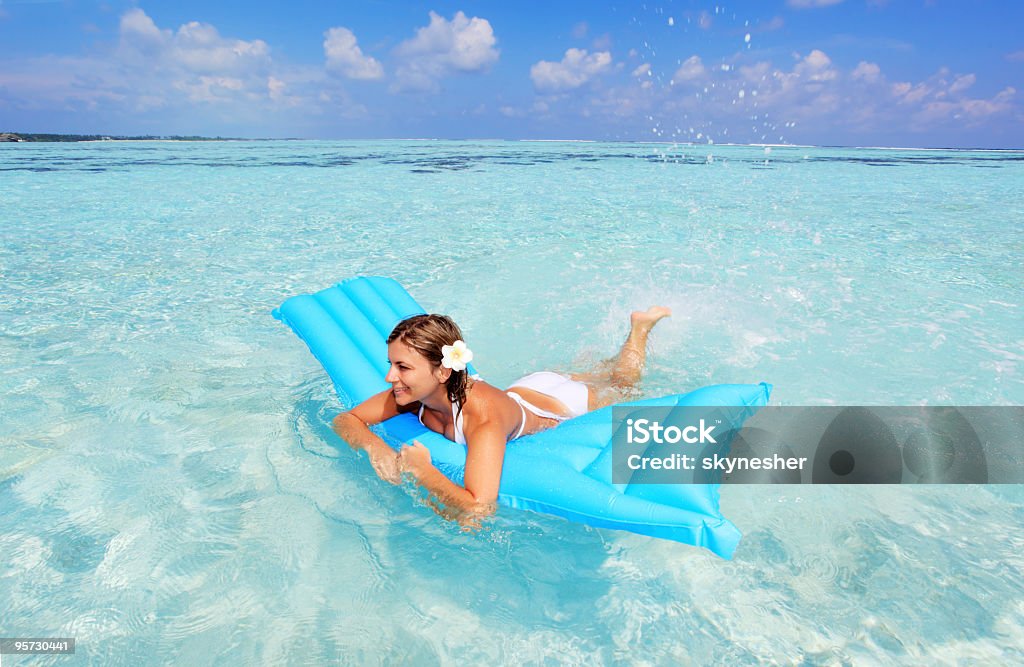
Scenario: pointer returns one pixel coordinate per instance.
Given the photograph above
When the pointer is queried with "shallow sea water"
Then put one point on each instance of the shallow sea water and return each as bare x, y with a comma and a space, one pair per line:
170, 490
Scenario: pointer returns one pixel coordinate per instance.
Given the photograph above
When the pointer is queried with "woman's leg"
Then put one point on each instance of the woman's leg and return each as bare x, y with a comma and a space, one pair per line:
629, 364
615, 378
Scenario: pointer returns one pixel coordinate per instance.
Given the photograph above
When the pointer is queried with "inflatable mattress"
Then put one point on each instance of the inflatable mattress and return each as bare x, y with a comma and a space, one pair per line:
565, 471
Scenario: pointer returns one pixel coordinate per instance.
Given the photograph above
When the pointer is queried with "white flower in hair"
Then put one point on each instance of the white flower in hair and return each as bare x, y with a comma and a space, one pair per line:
456, 356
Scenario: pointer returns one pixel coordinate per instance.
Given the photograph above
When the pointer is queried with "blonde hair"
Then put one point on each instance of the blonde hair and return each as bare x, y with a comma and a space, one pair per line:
426, 334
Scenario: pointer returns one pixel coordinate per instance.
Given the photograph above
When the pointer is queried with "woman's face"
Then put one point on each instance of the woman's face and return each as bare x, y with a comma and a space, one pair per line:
411, 375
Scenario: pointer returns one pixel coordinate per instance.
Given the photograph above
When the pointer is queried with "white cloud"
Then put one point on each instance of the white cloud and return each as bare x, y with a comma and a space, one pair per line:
757, 101
642, 70
196, 48
149, 69
901, 88
971, 111
579, 31
1016, 56
344, 55
815, 67
998, 104
907, 93
576, 68
138, 30
276, 88
936, 88
939, 100
691, 70
199, 48
867, 72
211, 88
962, 83
442, 48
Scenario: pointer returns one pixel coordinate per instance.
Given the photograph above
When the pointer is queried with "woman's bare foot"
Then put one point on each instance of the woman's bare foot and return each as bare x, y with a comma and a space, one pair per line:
629, 363
646, 319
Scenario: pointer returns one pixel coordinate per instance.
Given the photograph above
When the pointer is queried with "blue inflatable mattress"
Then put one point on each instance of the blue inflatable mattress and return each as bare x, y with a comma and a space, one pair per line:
565, 471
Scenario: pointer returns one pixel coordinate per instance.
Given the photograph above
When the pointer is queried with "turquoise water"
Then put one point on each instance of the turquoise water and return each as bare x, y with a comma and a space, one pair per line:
170, 491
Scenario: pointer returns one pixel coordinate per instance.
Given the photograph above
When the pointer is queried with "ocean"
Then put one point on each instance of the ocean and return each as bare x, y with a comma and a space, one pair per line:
171, 491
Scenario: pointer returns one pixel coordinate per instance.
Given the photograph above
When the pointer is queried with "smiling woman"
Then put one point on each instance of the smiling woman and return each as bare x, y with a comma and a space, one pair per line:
427, 369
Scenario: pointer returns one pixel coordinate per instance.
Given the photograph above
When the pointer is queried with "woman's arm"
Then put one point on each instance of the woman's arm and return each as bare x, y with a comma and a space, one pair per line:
484, 458
353, 428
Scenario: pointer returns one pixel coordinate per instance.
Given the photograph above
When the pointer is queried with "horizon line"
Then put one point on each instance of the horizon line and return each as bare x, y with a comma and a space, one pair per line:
183, 138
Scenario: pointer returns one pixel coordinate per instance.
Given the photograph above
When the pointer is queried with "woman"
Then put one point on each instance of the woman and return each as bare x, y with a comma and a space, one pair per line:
428, 375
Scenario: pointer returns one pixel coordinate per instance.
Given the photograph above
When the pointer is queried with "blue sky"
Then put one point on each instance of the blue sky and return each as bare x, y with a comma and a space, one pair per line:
832, 72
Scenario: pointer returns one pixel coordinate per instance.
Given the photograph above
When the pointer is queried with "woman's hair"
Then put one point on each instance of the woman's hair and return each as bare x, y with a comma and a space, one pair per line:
426, 334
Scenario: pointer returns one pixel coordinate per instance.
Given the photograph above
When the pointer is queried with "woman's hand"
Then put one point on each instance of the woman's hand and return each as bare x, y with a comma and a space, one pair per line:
386, 463
415, 458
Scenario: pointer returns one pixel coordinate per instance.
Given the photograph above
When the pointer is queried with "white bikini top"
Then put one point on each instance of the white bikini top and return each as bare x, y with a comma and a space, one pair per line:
460, 436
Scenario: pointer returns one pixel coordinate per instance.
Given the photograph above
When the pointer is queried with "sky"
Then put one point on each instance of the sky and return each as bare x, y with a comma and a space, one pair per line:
917, 73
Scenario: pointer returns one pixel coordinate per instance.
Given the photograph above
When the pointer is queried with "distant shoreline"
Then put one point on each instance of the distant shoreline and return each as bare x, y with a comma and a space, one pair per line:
28, 137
